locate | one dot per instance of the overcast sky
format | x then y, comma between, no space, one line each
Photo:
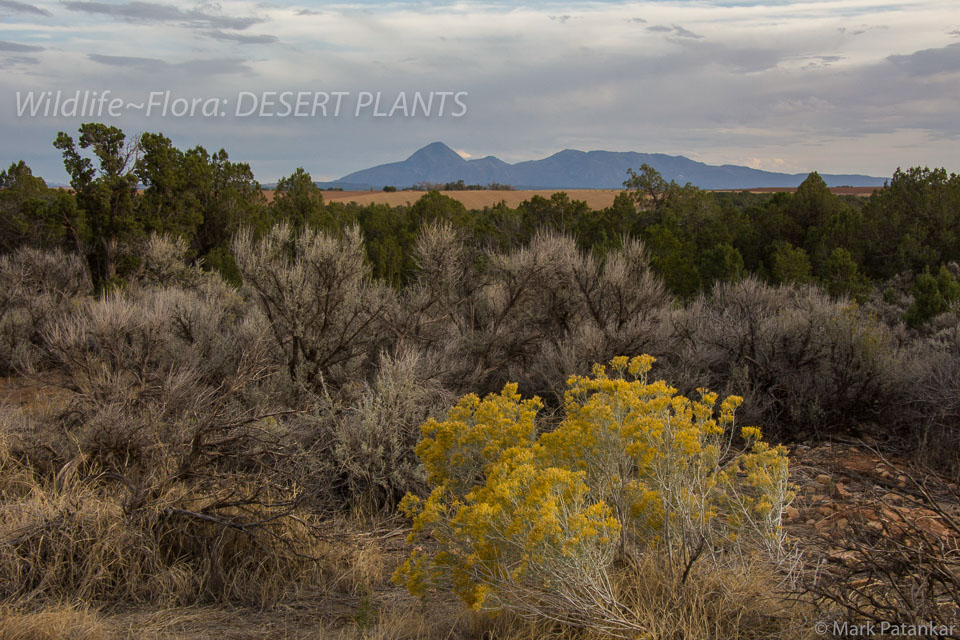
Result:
839,86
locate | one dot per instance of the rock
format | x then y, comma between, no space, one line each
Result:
825,511
840,490
824,479
842,523
791,513
848,558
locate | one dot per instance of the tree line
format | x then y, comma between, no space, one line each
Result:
123,190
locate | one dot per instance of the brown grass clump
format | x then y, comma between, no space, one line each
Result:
740,601
52,623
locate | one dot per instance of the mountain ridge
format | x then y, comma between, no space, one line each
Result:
575,169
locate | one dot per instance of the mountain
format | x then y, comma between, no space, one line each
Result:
571,169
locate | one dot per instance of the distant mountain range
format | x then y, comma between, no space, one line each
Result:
569,169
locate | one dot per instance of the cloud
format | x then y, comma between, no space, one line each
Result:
767,76
821,62
15,47
561,19
697,54
929,61
22,7
155,12
12,60
240,38
222,66
684,33
676,30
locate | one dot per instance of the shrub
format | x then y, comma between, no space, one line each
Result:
325,311
361,440
931,415
927,300
445,311
161,369
617,305
805,363
170,485
165,261
534,524
535,315
35,286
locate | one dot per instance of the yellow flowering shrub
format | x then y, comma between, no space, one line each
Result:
533,522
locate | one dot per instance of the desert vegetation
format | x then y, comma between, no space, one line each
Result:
424,421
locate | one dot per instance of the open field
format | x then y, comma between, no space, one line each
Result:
595,198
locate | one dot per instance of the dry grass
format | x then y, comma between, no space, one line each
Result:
745,600
81,536
60,622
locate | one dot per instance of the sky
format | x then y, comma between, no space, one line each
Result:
838,86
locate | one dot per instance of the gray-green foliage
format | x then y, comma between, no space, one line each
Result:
932,418
164,261
533,315
325,311
160,369
367,433
35,286
803,361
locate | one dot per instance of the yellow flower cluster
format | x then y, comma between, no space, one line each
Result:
632,464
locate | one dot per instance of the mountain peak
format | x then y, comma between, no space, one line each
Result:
435,154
